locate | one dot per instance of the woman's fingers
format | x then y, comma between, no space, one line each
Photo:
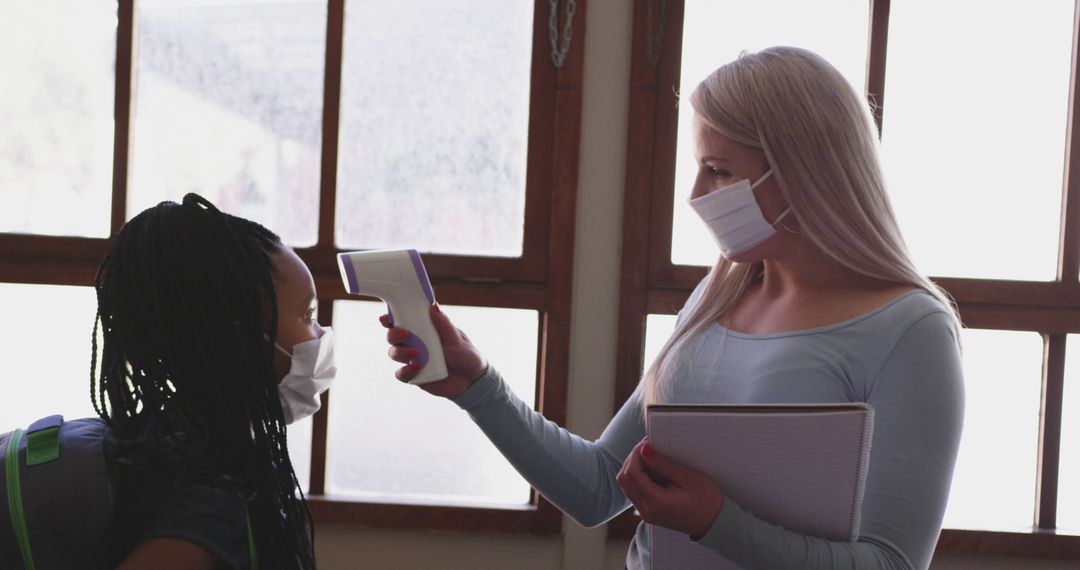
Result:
669,494
625,483
399,353
664,468
403,354
396,335
635,481
407,372
464,364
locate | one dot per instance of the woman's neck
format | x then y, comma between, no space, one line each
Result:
805,270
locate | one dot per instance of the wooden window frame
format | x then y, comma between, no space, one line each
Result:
540,279
652,284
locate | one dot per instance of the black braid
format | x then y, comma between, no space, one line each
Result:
187,381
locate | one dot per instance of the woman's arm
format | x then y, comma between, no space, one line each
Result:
575,474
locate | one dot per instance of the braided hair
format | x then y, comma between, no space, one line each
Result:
187,383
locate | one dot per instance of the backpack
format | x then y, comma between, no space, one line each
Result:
57,497
49,518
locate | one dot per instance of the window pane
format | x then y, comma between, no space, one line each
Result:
708,44
299,435
47,361
1003,381
390,441
658,329
229,104
1069,472
434,125
56,143
976,96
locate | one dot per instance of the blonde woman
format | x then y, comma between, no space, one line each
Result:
813,300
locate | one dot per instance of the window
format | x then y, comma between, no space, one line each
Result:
980,216
435,135
1069,495
56,145
434,456
247,76
38,383
998,449
1002,235
341,126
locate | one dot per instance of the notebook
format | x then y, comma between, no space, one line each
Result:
799,466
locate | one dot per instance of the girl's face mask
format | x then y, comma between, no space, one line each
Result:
310,374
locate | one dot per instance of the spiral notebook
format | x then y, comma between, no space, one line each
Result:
799,466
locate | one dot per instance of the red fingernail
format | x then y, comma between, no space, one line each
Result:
438,309
647,450
413,353
400,335
415,366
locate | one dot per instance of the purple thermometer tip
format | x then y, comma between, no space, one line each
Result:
422,276
350,273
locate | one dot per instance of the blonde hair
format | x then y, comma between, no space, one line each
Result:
821,142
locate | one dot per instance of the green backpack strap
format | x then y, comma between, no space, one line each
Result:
14,498
42,446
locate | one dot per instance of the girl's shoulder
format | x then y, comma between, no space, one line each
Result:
210,516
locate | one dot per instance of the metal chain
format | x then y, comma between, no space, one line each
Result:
560,46
655,31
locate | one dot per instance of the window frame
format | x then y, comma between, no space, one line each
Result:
540,279
652,284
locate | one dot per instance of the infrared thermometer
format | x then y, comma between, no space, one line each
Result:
398,277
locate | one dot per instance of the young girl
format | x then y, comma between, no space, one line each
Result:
211,347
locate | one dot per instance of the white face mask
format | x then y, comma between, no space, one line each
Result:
734,217
310,374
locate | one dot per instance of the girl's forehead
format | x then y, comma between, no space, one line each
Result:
290,272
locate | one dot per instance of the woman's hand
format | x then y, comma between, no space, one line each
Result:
464,363
669,494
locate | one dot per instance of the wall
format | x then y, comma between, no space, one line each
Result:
596,267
